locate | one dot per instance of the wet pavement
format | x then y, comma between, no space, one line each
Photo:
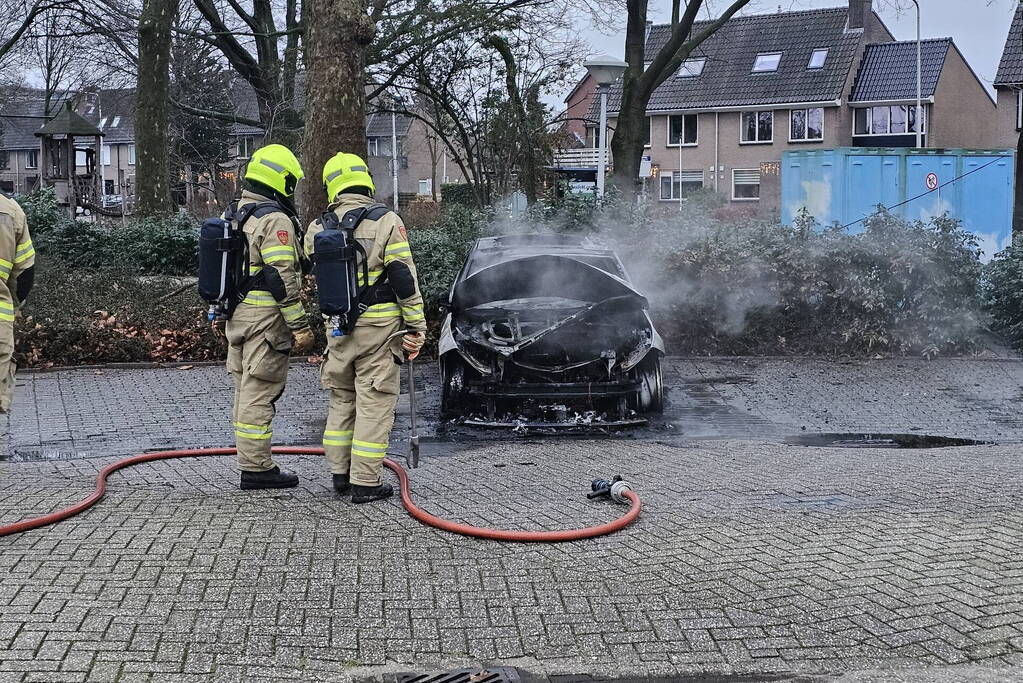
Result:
753,559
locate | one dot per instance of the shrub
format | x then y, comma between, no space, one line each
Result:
43,212
440,251
458,193
1002,288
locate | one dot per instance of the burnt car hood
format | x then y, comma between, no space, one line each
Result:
540,276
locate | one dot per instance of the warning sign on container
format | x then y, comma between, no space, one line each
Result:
932,181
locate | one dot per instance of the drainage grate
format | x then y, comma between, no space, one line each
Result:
500,674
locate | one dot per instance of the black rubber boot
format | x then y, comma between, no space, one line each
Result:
341,484
270,479
367,494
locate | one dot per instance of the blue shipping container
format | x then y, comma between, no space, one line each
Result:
846,184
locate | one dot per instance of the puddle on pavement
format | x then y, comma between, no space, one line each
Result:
880,441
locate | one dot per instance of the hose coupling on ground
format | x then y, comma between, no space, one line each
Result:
614,489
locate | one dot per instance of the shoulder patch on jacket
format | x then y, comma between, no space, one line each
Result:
282,236
404,233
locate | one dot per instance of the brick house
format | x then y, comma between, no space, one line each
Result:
423,163
1009,85
824,78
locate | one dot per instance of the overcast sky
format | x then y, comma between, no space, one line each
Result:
979,27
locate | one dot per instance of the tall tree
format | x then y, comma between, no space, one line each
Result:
337,35
645,73
151,104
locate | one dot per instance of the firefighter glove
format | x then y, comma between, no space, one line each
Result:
413,343
303,341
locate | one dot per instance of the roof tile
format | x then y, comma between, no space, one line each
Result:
1010,70
888,70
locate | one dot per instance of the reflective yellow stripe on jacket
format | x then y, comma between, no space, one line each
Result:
277,253
5,269
6,311
382,311
398,250
259,297
25,251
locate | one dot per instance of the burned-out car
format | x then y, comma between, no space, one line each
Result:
548,328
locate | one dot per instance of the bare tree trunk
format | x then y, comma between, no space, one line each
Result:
337,33
152,145
528,167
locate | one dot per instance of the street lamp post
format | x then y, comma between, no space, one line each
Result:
919,79
605,71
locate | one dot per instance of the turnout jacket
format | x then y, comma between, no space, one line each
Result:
17,258
388,255
273,254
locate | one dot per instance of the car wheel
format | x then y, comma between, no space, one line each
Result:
650,398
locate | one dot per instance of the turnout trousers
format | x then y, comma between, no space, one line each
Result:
361,371
259,344
7,365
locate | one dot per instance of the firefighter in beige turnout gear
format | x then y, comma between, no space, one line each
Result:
361,369
17,268
271,320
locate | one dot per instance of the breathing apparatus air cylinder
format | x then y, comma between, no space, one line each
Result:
342,271
224,258
223,263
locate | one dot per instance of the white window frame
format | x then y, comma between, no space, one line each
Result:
28,156
105,155
649,132
767,56
692,68
757,113
429,187
667,131
1019,109
806,125
691,172
102,122
372,146
131,155
759,184
817,51
116,122
870,119
81,154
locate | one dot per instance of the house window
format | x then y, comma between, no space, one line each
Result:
767,62
692,67
745,184
106,155
806,124
817,59
116,122
80,157
684,127
32,158
246,145
103,122
649,123
426,186
757,127
894,120
108,187
131,155
675,184
372,147
1019,110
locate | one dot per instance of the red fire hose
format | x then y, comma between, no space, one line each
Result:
406,500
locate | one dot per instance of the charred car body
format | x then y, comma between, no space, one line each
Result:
548,328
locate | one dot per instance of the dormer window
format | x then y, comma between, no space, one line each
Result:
767,62
692,67
817,59
103,122
116,122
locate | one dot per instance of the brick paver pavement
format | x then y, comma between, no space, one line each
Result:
751,557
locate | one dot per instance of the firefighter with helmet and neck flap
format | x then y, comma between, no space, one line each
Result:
367,286
266,320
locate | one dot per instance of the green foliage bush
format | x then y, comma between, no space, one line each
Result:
157,246
439,252
457,194
1002,288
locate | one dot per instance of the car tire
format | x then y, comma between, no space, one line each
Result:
650,398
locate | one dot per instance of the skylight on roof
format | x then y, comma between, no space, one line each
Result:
116,122
103,122
767,62
817,59
692,67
